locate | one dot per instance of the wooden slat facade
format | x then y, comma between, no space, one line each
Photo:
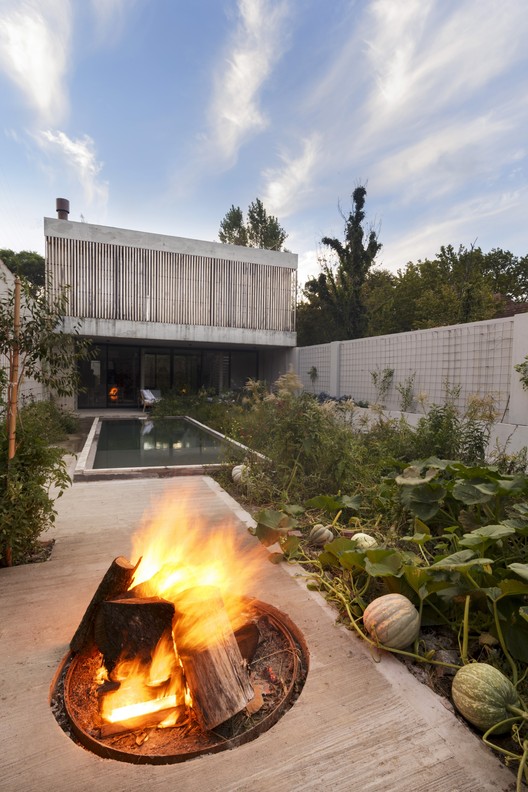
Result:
113,281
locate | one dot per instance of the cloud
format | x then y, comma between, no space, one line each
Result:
443,159
256,45
466,222
110,17
286,185
80,158
35,51
424,64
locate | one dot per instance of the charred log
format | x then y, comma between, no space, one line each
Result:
131,628
114,584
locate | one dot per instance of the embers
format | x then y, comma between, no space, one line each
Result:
196,694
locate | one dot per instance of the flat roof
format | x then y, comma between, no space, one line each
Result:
69,229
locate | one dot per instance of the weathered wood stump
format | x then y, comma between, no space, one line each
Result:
215,671
131,628
114,584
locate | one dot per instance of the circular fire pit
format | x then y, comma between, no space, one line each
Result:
277,658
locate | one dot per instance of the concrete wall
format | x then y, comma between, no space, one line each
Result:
130,284
477,357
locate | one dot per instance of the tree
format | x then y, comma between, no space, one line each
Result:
507,274
339,291
453,288
260,230
32,342
232,228
27,263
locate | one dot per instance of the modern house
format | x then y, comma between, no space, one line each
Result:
170,313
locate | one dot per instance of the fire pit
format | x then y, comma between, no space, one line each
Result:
169,661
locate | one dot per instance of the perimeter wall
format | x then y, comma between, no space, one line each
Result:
478,358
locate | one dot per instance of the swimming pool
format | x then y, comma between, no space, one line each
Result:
152,447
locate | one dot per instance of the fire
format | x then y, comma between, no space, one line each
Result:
145,688
179,551
185,562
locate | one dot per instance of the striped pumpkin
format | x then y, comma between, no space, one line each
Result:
392,620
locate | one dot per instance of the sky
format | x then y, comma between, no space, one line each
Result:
158,115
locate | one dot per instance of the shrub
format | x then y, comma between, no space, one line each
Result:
26,506
51,422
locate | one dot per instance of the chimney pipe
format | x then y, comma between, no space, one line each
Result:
62,206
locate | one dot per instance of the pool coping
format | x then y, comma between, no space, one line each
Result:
84,470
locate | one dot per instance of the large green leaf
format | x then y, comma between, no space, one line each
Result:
510,587
352,559
340,545
276,520
463,559
418,538
334,503
294,509
486,535
272,525
423,500
351,503
469,494
519,569
383,563
514,628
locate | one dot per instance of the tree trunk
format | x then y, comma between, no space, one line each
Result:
13,396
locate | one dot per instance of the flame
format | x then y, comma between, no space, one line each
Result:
179,550
145,688
185,561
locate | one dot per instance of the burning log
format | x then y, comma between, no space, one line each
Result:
178,715
114,584
214,669
131,628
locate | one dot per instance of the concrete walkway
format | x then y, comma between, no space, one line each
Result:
358,725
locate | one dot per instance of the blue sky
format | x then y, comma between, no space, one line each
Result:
158,115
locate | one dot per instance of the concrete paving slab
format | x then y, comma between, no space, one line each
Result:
357,725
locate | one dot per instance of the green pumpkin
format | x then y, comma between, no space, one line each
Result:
482,694
392,620
320,534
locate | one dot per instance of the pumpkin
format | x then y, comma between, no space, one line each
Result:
482,694
239,474
320,534
392,620
364,541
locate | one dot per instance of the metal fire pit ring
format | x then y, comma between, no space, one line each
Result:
166,746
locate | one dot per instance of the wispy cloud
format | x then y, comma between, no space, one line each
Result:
285,186
457,225
110,17
442,160
34,53
255,47
433,58
80,158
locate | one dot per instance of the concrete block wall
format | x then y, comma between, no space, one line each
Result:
477,357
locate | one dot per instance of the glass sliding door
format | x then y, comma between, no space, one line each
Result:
185,372
157,371
122,381
92,376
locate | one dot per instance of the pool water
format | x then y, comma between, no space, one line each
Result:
148,443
